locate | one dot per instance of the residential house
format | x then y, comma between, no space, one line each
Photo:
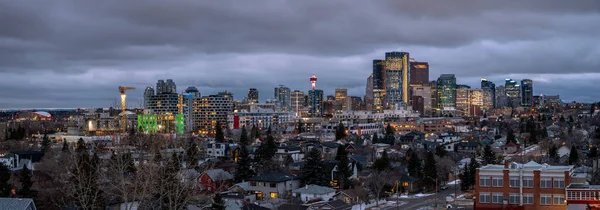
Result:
313,193
450,147
17,204
332,168
273,185
447,137
511,148
16,162
292,151
331,205
215,180
327,149
354,196
424,144
215,149
411,184
468,147
563,151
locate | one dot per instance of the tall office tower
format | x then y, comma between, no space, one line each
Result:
253,95
328,108
378,74
315,102
355,103
330,97
378,100
193,91
434,97
476,102
419,73
501,99
424,92
488,100
212,109
526,93
490,87
282,94
369,93
161,87
170,86
396,78
513,92
462,99
446,91
340,99
149,92
298,101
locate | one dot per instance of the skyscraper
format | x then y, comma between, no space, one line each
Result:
149,92
419,72
282,94
462,99
434,96
526,92
501,99
315,101
396,78
512,90
193,90
476,102
211,109
253,95
423,91
161,87
446,91
340,99
170,86
378,74
298,101
490,87
369,93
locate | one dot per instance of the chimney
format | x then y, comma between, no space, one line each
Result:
506,164
306,187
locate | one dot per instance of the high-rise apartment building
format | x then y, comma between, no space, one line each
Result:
396,78
190,97
501,99
526,92
419,73
446,91
462,99
149,92
522,186
211,109
163,103
315,102
434,97
369,93
340,99
512,90
282,94
170,86
475,102
489,87
424,92
378,74
355,103
253,95
193,90
298,101
378,100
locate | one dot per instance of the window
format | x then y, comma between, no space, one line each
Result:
546,183
497,198
253,184
559,199
497,181
559,183
273,195
528,181
484,197
273,185
484,181
514,181
573,195
527,198
514,198
546,199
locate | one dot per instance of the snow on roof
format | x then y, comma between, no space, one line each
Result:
43,114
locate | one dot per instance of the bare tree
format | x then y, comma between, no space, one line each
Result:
377,181
126,183
82,187
444,166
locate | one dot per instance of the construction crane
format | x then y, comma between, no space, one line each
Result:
122,90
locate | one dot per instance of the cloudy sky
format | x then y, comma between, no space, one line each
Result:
74,53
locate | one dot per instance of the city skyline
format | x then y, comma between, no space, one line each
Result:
79,60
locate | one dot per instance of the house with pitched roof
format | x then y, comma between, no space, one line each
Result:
17,204
313,193
273,185
215,180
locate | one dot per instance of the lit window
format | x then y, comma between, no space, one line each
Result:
273,195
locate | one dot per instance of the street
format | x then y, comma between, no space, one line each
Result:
419,202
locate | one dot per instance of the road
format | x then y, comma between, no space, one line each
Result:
416,203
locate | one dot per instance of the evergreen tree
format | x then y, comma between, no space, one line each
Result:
533,136
244,136
571,120
468,176
243,171
344,171
440,151
389,135
430,170
6,132
375,139
314,170
562,119
489,156
573,156
340,132
553,152
5,186
81,146
288,160
510,136
65,147
26,183
465,179
219,136
593,152
414,164
192,154
218,202
383,163
254,133
45,143
267,149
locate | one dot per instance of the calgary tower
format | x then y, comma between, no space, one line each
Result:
313,81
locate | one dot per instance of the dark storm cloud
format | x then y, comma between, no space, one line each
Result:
79,51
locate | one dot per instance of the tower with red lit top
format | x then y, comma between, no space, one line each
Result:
313,81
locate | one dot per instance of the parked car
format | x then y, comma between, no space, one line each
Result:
444,187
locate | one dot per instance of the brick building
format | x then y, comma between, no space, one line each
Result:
522,186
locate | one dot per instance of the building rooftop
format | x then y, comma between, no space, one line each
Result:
530,166
580,186
313,189
16,203
272,177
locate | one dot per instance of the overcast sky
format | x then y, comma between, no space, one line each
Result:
74,53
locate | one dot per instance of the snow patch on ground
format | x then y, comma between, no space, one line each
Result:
454,182
423,195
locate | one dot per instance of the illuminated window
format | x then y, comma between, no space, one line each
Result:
405,184
273,195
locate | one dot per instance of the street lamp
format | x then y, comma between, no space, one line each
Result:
436,190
